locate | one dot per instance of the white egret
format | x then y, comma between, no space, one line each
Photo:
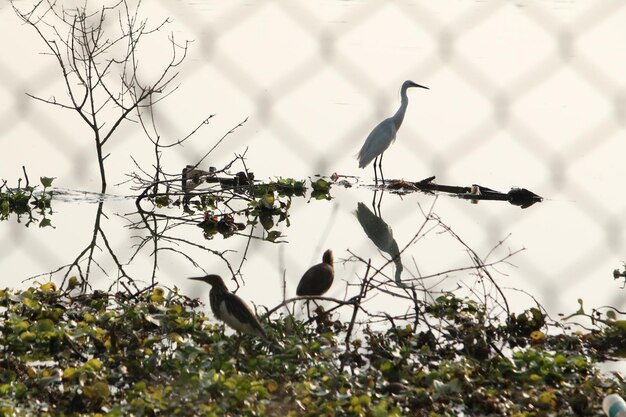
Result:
384,134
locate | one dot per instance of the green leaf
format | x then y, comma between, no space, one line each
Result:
273,235
46,181
97,391
93,365
620,324
28,336
45,325
321,185
267,201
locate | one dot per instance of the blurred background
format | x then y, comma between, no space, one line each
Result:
522,93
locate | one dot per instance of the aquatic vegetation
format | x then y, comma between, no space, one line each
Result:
157,353
228,206
26,201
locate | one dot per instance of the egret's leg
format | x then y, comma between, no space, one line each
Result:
380,167
375,176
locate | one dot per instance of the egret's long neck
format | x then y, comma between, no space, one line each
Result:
399,116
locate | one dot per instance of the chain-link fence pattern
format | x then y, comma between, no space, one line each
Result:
529,72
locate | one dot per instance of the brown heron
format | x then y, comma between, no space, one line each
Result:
318,278
231,309
384,134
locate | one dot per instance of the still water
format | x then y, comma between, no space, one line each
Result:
520,94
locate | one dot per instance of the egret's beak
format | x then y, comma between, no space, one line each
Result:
421,86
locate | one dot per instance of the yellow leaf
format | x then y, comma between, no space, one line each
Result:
272,386
93,364
19,327
548,398
175,337
48,287
28,336
157,295
73,283
68,373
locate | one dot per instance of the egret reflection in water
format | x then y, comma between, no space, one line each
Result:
381,234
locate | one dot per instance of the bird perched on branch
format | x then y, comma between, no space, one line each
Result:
384,134
231,309
318,278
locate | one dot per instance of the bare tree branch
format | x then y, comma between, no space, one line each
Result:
102,81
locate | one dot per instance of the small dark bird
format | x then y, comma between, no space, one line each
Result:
318,278
231,309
